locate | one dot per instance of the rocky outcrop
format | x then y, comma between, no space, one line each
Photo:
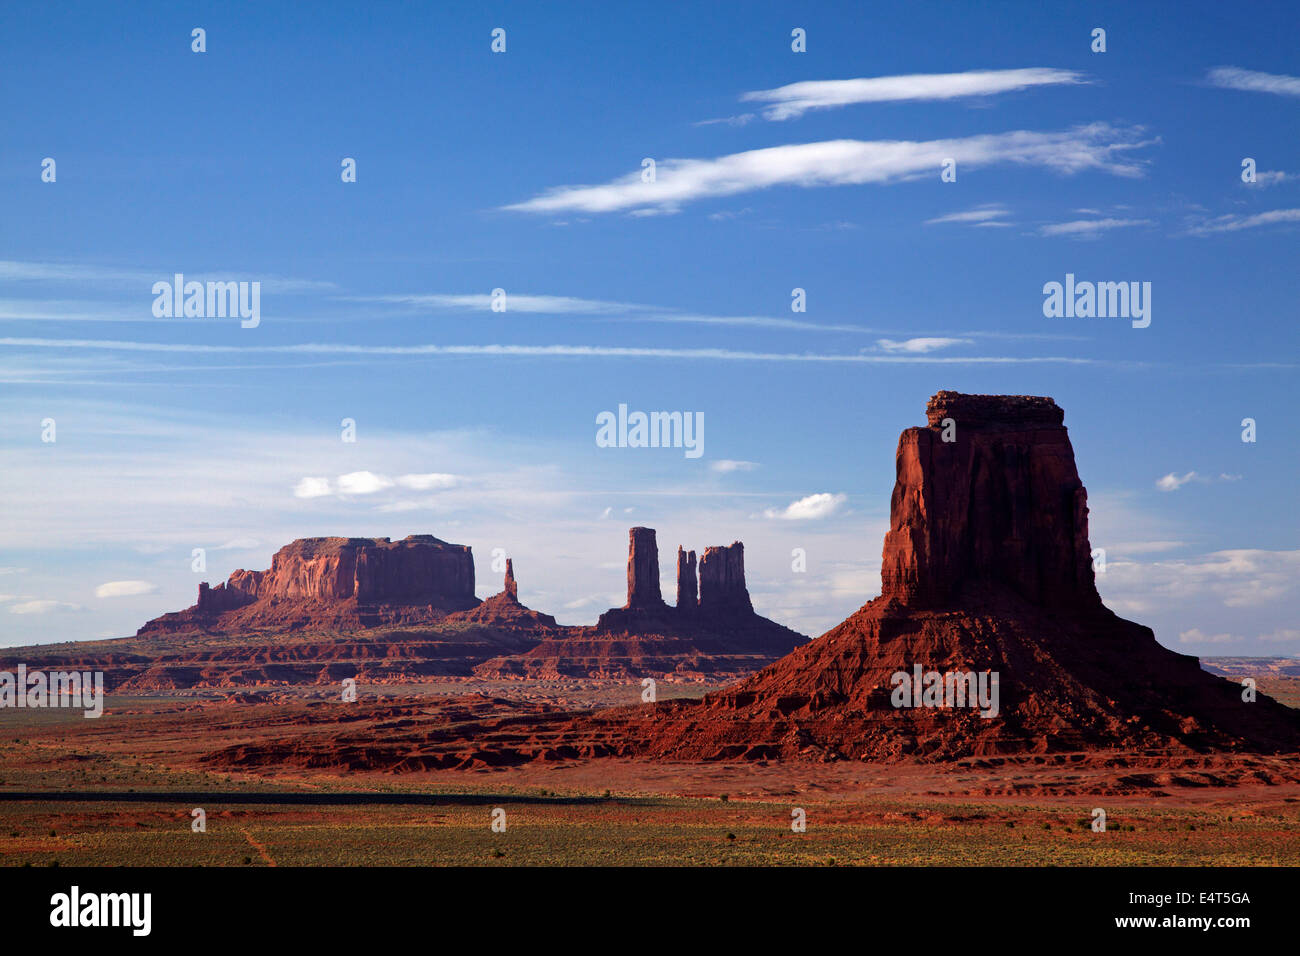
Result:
645,639
342,583
722,580
643,591
218,600
715,615
987,498
503,610
688,594
987,577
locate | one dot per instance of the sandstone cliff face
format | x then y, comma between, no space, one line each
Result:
722,580
643,570
1000,506
213,601
337,582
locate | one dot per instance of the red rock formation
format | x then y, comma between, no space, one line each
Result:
986,571
1001,506
333,588
643,570
213,601
503,610
688,595
722,580
721,620
336,582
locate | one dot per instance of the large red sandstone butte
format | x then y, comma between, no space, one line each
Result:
337,583
987,569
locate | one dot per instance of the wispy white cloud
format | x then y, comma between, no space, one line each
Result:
744,119
597,308
989,213
1272,177
726,465
43,606
1197,636
511,302
795,99
1146,547
1234,223
814,506
919,345
1089,228
546,351
1172,481
369,483
1235,78
844,162
112,589
433,481
15,271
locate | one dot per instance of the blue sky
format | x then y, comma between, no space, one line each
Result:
521,171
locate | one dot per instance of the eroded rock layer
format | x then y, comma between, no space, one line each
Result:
336,583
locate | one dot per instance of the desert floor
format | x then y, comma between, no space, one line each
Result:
120,790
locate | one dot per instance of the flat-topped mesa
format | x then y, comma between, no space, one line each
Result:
419,569
337,581
722,579
643,570
998,507
688,592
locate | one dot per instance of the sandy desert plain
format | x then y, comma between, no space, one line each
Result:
120,791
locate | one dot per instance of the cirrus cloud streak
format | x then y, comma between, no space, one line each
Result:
844,162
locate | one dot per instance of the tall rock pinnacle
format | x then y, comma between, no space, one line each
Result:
643,570
688,594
